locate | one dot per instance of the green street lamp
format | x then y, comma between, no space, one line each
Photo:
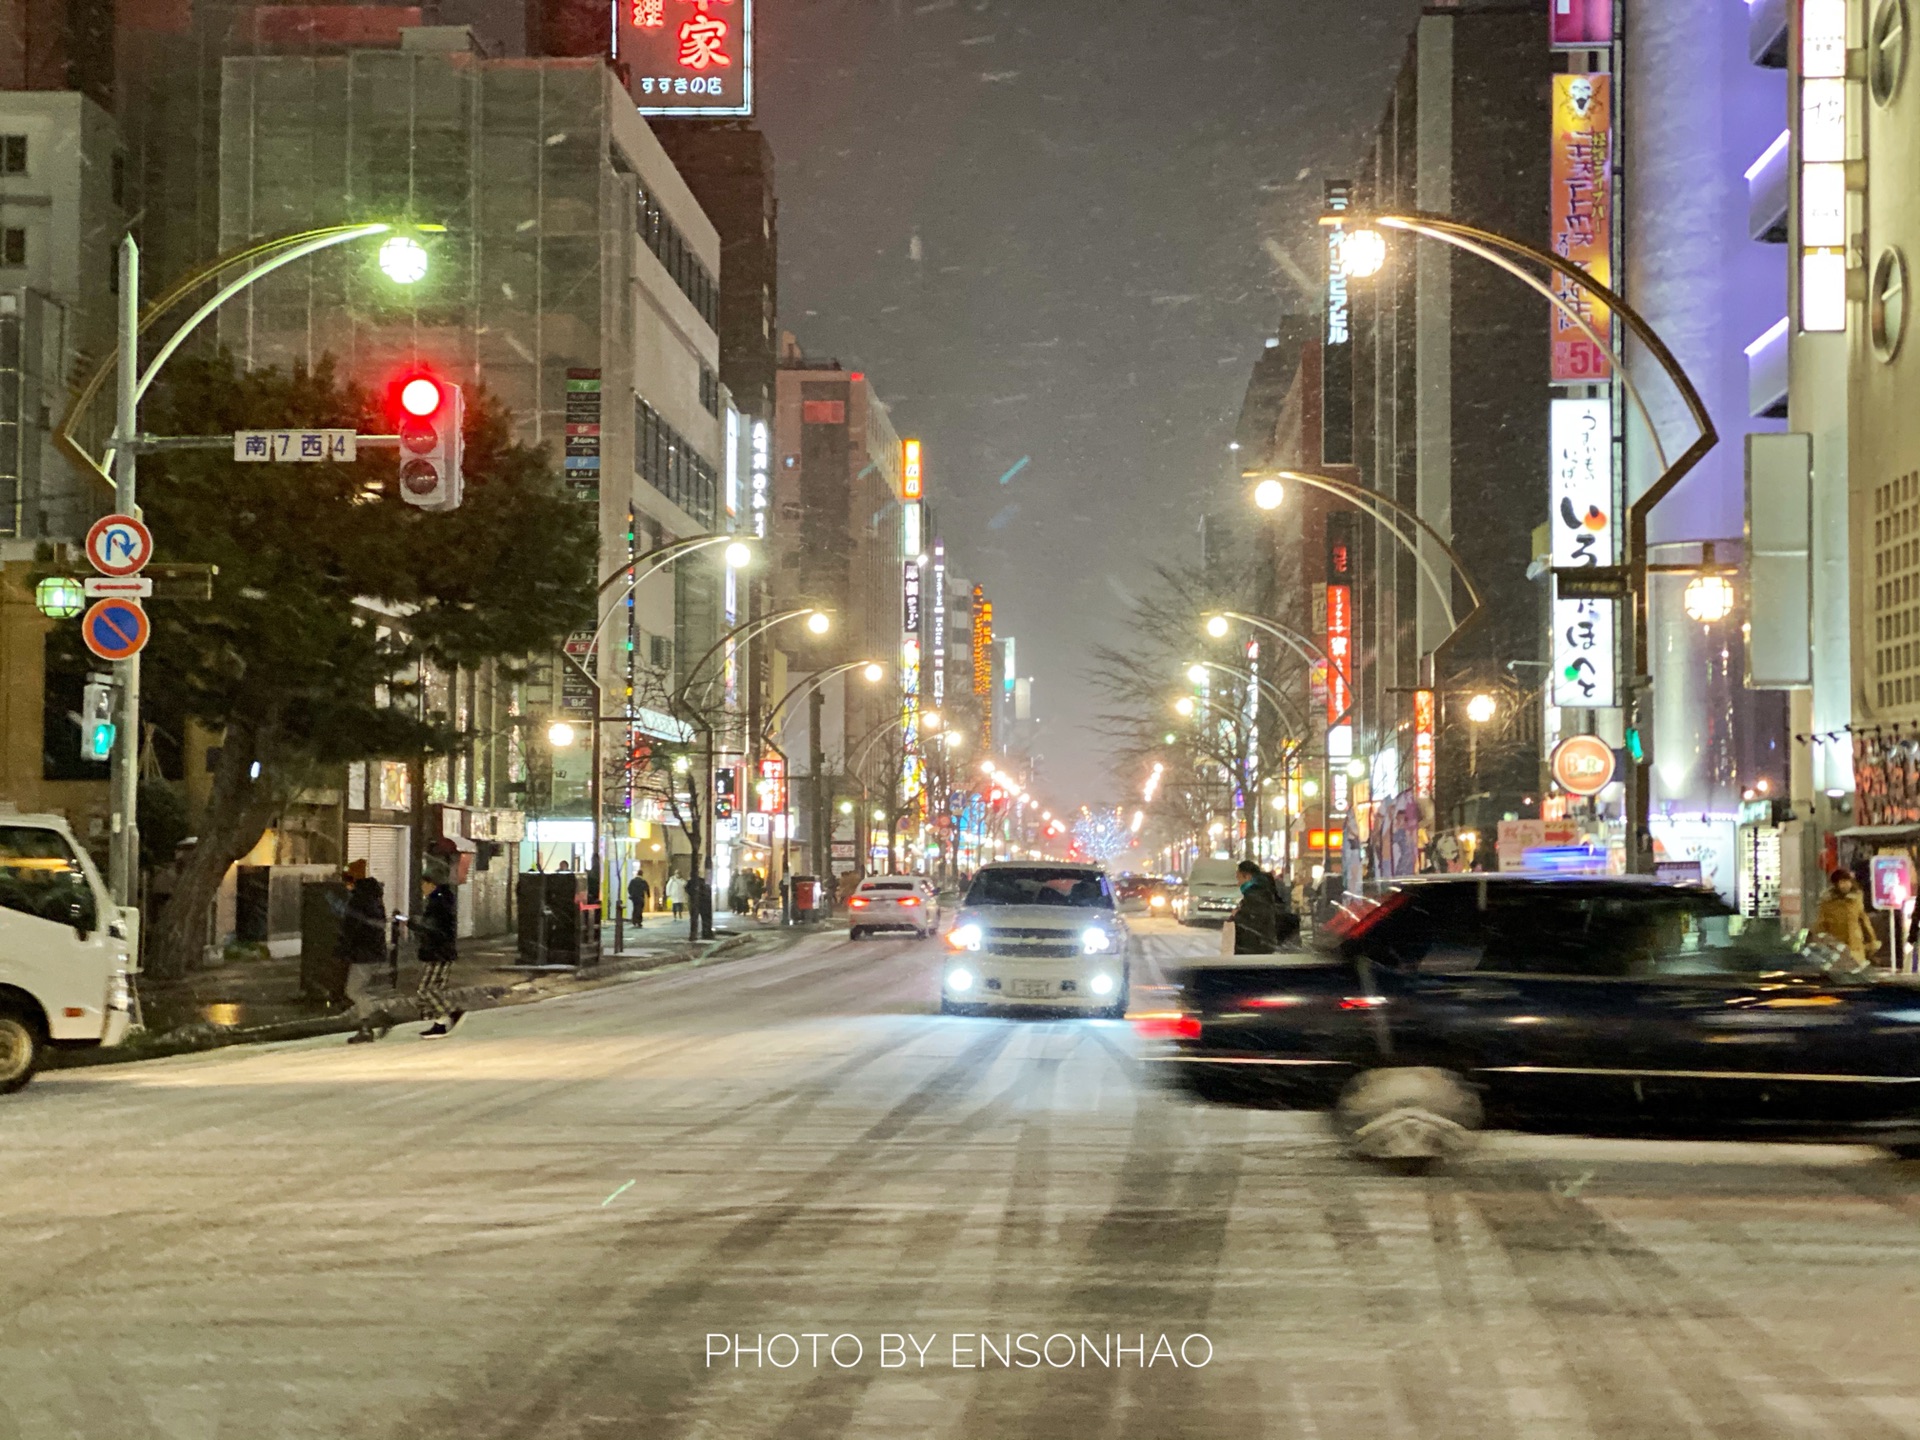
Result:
59,597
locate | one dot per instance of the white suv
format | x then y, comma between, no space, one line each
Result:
893,902
65,951
1037,934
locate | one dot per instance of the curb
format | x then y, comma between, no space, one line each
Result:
201,1036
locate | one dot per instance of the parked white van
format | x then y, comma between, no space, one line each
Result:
65,952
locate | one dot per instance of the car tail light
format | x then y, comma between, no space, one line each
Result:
858,903
1363,1002
909,899
1166,1025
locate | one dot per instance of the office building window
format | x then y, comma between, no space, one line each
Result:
13,154
663,237
709,391
13,247
666,460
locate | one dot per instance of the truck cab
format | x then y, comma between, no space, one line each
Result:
65,950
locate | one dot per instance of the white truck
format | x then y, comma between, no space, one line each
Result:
65,950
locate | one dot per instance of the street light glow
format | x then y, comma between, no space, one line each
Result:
1708,598
1217,627
1184,705
560,734
1197,674
739,555
818,622
403,260
1268,494
1481,709
1365,253
874,671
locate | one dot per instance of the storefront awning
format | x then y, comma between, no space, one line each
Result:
1879,832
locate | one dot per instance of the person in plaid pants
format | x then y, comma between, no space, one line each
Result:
436,928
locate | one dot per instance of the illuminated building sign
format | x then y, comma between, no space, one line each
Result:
1339,618
1336,362
1580,482
1423,718
1585,666
1823,171
910,596
1581,219
761,476
772,789
939,623
910,486
687,57
910,530
1580,24
982,642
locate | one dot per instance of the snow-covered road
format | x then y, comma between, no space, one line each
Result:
538,1228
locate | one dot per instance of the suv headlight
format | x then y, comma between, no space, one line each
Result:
1095,941
964,937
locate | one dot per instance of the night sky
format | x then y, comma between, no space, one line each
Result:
1058,232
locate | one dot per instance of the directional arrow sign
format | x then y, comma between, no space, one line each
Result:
128,586
115,629
119,545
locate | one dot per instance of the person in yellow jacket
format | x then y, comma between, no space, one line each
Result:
1843,917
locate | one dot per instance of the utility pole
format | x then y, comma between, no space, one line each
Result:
817,763
123,843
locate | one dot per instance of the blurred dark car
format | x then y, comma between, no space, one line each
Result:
1611,1006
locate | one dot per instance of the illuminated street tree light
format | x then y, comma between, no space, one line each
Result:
1481,708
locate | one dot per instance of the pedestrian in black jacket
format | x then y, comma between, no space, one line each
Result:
639,892
363,945
436,929
1256,919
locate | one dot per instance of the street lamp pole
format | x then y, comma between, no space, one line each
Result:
123,783
1513,256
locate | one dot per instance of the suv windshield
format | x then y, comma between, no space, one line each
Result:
1041,885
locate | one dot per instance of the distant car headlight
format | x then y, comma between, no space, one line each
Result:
959,980
1102,984
1158,902
964,937
1095,942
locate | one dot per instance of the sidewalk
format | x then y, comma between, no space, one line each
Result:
259,1000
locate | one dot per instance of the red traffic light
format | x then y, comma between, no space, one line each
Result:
420,396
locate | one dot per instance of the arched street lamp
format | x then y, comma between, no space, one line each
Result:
1514,257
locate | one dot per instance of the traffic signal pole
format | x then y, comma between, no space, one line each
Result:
123,781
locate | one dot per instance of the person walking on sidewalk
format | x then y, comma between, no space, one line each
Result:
677,895
363,945
437,926
639,892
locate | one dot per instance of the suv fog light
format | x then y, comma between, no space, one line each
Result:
959,979
1103,984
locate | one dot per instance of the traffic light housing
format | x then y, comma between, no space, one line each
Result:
430,414
97,730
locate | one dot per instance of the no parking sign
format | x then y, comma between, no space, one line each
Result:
115,629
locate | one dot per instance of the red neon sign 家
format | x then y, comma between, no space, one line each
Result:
688,56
